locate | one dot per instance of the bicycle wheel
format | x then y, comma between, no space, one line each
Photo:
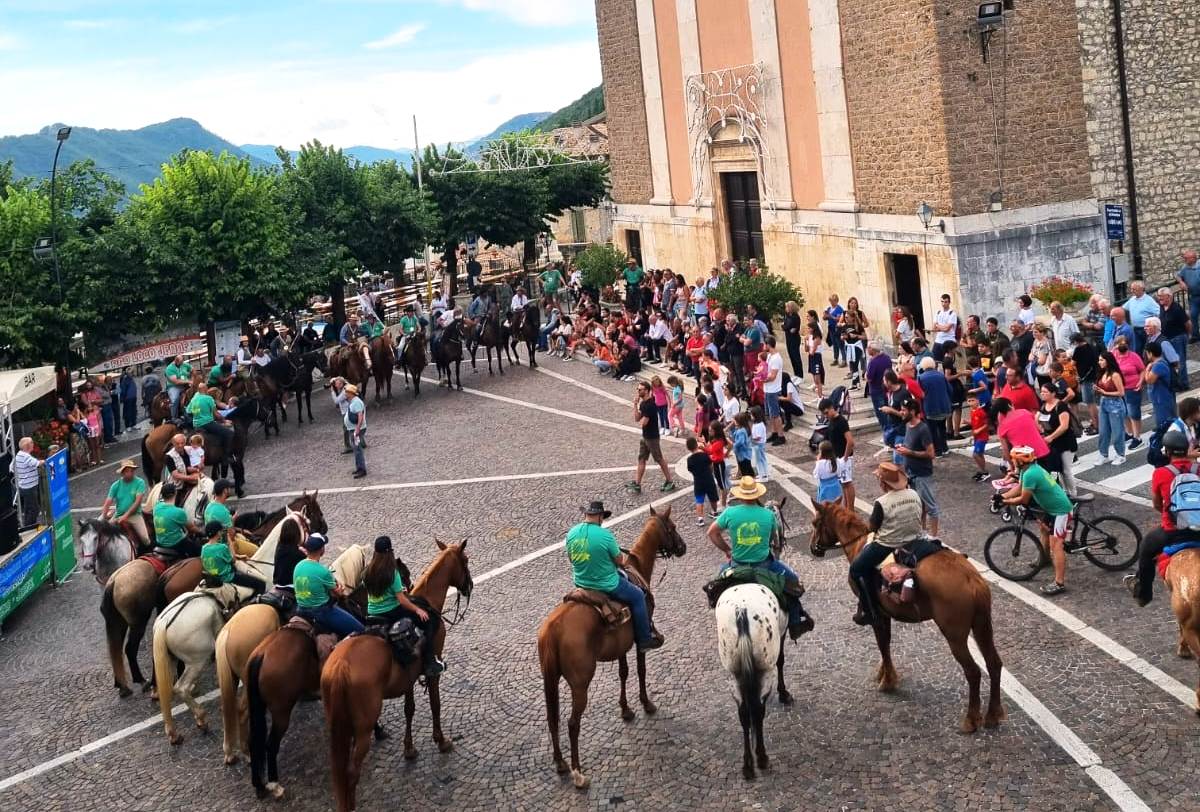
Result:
1014,553
1121,541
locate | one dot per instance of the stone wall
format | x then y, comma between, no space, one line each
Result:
621,64
1160,53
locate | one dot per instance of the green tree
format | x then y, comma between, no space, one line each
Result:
599,265
398,218
766,291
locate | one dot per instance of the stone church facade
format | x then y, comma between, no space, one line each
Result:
808,132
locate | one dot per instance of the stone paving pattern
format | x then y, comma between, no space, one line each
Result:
841,746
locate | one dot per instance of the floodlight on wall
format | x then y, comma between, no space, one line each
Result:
43,248
925,215
991,13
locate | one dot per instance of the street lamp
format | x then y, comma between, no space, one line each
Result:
63,134
925,215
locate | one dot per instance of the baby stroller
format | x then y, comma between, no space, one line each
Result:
841,400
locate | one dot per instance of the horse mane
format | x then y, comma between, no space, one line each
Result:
422,582
846,521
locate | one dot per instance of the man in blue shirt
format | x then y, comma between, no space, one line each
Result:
1188,277
831,315
1120,327
1139,308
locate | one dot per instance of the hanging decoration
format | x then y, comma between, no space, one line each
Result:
715,100
515,152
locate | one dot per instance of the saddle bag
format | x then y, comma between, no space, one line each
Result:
405,639
281,601
783,589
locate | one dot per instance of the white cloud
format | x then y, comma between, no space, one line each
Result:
201,25
401,36
88,25
342,102
536,12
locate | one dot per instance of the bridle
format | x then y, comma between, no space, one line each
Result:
677,549
460,609
819,547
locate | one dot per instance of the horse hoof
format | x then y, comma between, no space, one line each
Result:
202,725
276,790
231,760
562,768
445,746
381,735
175,739
124,692
627,714
969,725
764,763
410,753
581,781
748,773
785,698
1184,653
147,686
649,707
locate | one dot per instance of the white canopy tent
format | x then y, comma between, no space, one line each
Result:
18,389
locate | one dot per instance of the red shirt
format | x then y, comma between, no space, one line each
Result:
1022,398
914,389
716,451
1160,484
979,420
1019,428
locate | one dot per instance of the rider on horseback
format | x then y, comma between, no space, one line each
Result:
203,410
315,590
373,327
408,328
221,375
174,531
478,310
216,560
177,468
750,525
348,337
388,602
895,521
123,504
595,559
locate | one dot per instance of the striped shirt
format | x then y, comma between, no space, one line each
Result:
25,467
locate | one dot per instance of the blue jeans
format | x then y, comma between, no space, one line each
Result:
131,410
1112,425
360,458
879,400
1194,311
544,336
332,617
837,345
635,599
174,393
1180,343
106,415
760,460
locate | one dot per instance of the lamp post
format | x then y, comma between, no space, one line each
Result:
63,134
925,215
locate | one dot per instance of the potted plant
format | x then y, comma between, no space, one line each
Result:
1067,292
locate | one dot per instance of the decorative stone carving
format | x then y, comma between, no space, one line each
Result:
715,100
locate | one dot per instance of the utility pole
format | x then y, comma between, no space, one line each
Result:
421,188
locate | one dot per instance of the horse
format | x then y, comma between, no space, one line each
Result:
414,360
348,362
160,409
1181,576
449,350
275,379
526,325
157,442
952,594
573,638
383,361
362,672
302,384
186,631
491,334
752,652
251,625
135,590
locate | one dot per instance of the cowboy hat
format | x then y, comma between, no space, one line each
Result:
892,474
352,389
126,464
596,508
748,489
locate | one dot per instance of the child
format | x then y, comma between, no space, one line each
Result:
675,414
717,448
704,486
95,433
660,402
712,411
979,434
758,434
828,472
816,362
701,422
741,444
195,451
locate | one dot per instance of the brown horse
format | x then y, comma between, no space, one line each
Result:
348,362
1182,576
491,335
160,409
952,594
136,591
383,361
414,360
526,324
362,672
573,638
157,443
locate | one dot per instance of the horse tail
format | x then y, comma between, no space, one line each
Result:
336,690
164,669
258,722
115,627
746,673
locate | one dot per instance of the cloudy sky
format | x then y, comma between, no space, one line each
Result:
345,71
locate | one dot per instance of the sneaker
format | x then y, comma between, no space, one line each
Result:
776,440
1101,459
359,474
1053,588
805,625
980,476
668,486
1134,443
633,486
1091,431
347,450
1118,461
699,521
762,479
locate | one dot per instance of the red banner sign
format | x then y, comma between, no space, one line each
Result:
184,345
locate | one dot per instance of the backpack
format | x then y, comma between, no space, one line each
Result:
1154,448
1184,502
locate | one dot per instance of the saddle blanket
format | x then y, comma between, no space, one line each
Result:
611,610
1164,558
325,640
746,574
160,566
899,568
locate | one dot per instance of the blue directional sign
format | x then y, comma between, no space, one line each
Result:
60,496
1114,221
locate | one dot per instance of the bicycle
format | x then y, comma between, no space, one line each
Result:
1016,552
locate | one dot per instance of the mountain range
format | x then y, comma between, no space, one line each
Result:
135,157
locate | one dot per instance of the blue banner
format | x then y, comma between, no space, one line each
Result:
24,571
60,492
1114,221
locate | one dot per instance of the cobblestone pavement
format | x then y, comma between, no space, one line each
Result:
1080,702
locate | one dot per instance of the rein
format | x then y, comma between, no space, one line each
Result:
460,612
841,545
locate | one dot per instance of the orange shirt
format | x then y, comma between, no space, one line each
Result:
979,423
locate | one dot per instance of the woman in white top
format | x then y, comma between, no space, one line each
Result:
519,300
440,303
1025,314
731,408
904,325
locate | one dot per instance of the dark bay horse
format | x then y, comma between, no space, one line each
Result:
347,362
573,638
383,361
449,350
492,335
362,672
414,360
952,594
157,443
526,324
302,384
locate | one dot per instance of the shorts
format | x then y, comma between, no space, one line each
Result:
1087,392
847,476
979,447
1058,526
771,401
1133,404
816,364
701,495
650,448
923,485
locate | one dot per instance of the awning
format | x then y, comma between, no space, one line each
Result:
20,387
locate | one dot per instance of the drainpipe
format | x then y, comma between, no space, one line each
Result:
1127,132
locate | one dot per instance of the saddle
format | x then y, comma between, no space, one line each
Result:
281,600
403,637
323,639
162,559
1164,558
898,571
612,611
230,597
782,588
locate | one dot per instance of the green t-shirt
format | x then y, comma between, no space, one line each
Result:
408,324
216,559
382,604
183,372
633,276
593,551
217,512
214,375
313,583
550,281
202,408
749,528
375,329
1047,493
124,493
170,524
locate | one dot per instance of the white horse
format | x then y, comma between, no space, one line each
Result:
187,630
751,626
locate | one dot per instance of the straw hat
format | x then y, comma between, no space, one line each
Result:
893,475
126,464
747,489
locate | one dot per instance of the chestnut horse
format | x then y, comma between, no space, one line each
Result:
573,638
383,361
362,672
348,362
414,360
1182,576
952,594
